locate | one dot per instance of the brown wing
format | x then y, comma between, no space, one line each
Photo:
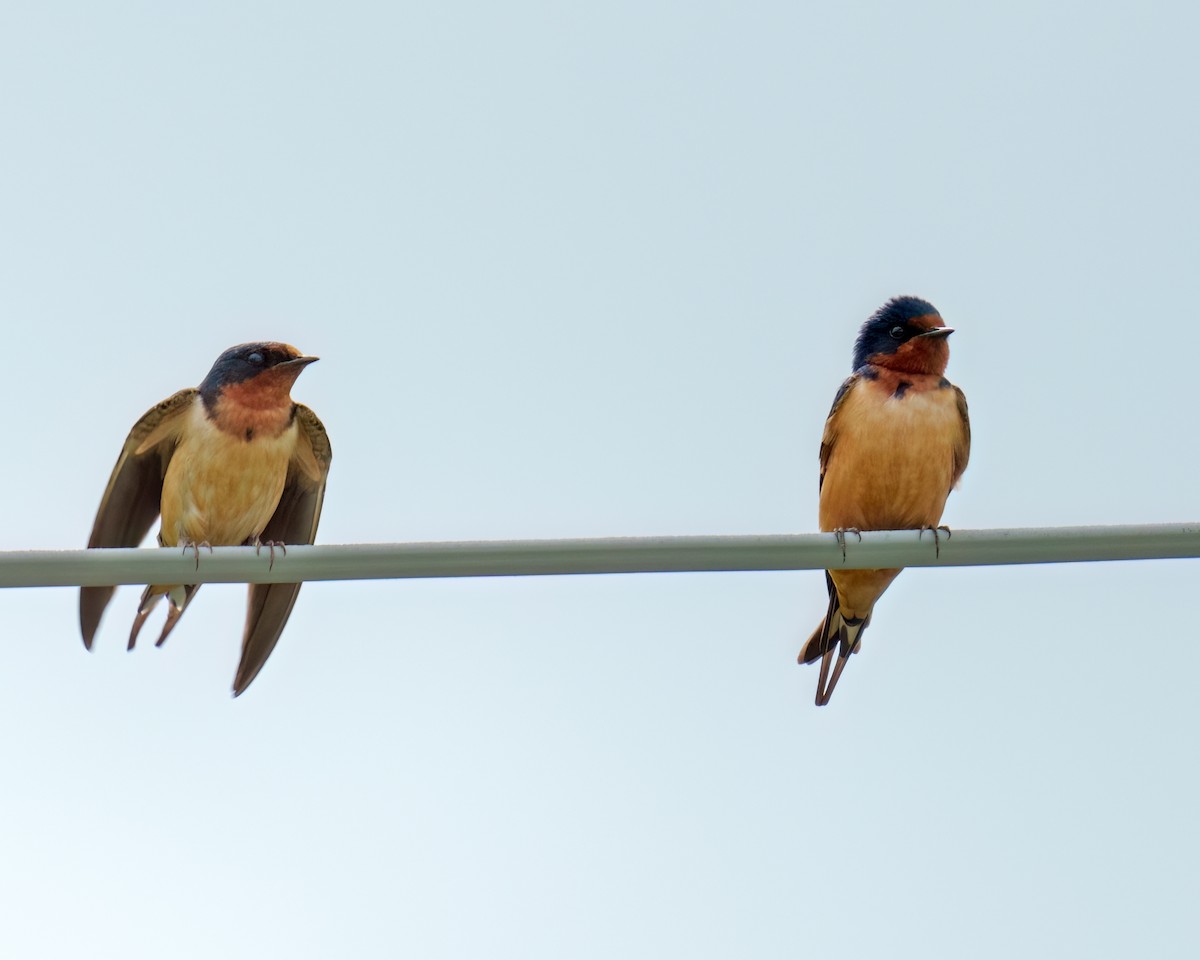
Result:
962,449
830,436
294,521
133,497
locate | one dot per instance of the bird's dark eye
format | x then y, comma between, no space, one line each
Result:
897,333
255,358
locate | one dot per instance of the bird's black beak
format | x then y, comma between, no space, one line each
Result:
299,363
937,333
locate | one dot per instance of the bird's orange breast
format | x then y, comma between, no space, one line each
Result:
221,488
891,465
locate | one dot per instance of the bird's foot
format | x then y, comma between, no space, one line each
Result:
937,547
840,535
270,545
195,546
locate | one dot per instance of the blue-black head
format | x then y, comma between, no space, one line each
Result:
279,363
897,322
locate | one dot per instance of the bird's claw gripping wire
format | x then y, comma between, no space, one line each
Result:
937,551
840,535
270,545
195,548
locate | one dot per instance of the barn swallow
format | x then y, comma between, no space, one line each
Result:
896,442
232,462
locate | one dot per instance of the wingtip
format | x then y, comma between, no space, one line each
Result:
92,603
87,630
244,677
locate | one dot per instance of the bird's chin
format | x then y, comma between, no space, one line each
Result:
922,355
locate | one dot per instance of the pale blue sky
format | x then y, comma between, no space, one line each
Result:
596,270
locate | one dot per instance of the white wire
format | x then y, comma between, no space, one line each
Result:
500,558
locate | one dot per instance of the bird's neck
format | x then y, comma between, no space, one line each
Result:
253,408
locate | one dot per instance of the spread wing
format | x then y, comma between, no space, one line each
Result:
132,498
294,521
962,449
829,438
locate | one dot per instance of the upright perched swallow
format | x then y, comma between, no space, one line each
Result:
895,444
234,461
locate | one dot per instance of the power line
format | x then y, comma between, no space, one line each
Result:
499,558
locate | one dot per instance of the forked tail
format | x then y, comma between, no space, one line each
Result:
835,632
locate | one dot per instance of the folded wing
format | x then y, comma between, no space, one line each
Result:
132,499
294,521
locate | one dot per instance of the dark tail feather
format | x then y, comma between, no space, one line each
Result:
175,612
826,633
178,597
835,633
